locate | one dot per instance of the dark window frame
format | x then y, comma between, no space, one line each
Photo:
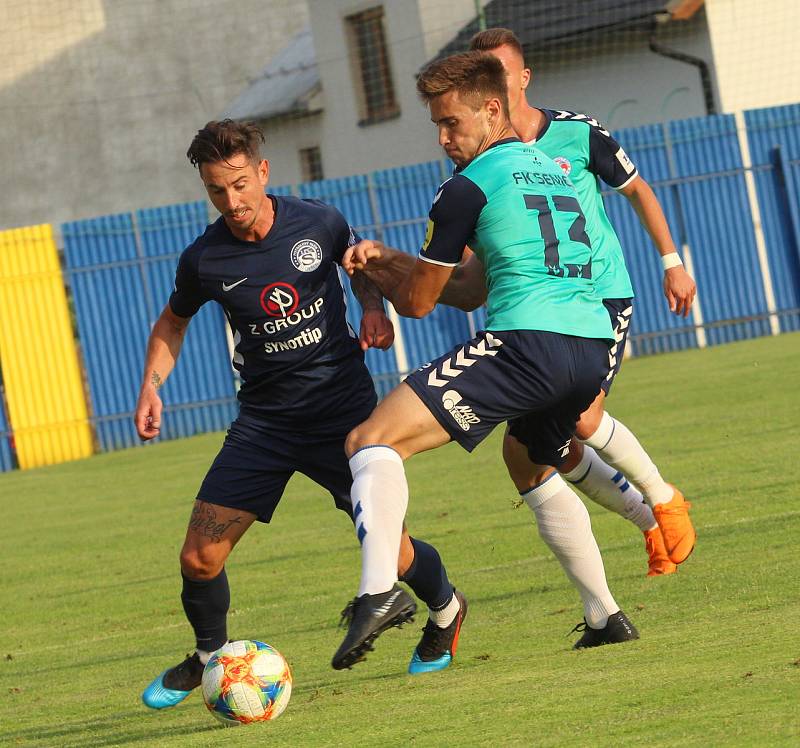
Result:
372,69
311,164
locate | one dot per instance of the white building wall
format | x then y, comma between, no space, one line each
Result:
348,148
626,84
441,21
756,51
284,139
100,98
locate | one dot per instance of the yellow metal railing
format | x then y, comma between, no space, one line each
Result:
44,392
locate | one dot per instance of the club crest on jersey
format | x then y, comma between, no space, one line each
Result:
279,299
566,166
306,255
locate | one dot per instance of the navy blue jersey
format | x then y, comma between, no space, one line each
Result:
297,356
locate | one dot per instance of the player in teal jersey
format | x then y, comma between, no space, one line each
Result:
587,153
543,356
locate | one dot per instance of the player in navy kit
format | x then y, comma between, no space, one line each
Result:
271,263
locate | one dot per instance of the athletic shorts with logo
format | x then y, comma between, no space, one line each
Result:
258,458
525,429
548,377
620,311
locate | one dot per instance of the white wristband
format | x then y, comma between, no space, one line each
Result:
673,259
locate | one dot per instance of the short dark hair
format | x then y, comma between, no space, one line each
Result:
222,140
476,76
485,41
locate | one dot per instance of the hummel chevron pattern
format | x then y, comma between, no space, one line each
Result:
563,114
448,371
623,320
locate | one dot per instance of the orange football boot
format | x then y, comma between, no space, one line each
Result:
658,562
676,527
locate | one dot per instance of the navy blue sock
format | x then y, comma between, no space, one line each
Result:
427,576
206,603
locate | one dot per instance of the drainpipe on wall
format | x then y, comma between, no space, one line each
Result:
673,54
481,15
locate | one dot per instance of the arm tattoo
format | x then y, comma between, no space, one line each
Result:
156,379
204,521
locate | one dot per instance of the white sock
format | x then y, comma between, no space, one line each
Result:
609,488
565,526
203,656
445,616
621,449
380,498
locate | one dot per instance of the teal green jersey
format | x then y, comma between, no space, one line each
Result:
587,153
517,211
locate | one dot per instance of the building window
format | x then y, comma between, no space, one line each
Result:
374,86
311,164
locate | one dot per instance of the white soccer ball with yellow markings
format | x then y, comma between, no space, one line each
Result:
246,681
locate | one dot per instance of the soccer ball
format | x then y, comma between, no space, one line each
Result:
246,681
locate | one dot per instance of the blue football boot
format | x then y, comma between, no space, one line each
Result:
174,684
437,647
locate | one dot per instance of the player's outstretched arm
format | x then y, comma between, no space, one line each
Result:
466,289
679,286
387,268
163,348
376,330
384,266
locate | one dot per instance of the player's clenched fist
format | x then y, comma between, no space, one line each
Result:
377,330
680,290
147,417
366,252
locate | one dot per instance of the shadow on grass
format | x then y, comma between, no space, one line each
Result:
114,586
311,691
79,664
107,731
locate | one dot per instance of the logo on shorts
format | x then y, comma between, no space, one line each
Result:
565,165
306,255
279,299
462,414
563,450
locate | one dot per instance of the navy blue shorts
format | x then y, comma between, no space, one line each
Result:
257,459
547,377
620,311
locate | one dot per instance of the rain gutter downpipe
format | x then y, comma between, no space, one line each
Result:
673,54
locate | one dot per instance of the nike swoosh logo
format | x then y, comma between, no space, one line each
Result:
226,287
439,193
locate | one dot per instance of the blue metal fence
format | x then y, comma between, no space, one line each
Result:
719,225
109,294
774,139
6,452
120,268
653,327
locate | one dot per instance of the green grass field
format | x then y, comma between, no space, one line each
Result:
92,611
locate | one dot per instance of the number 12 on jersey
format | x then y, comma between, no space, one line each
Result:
576,232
